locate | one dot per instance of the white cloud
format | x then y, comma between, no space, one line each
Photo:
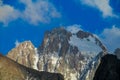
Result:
102,5
111,38
41,11
1,2
7,14
74,28
17,43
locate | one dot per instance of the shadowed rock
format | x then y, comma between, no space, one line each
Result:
109,68
117,52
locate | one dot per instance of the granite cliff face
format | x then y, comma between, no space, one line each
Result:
76,55
24,54
10,70
71,54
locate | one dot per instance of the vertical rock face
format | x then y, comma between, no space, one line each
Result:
24,54
76,55
117,53
109,68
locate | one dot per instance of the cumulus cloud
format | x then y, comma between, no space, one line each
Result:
39,11
7,13
111,38
102,5
74,28
17,43
1,2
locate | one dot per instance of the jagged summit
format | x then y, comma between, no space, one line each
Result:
25,53
73,54
70,53
60,37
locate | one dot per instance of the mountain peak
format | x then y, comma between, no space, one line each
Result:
26,44
72,54
25,53
60,37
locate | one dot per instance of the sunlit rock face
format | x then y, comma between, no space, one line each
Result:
75,54
25,54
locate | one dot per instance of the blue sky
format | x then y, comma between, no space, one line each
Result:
23,20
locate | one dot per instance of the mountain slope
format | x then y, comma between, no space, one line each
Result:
10,70
74,55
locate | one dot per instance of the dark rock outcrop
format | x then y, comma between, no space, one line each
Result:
109,68
117,52
10,70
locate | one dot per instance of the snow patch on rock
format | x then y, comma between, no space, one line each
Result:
36,59
86,44
74,28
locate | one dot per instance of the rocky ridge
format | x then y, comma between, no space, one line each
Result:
75,55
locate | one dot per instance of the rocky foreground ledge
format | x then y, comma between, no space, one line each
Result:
10,70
